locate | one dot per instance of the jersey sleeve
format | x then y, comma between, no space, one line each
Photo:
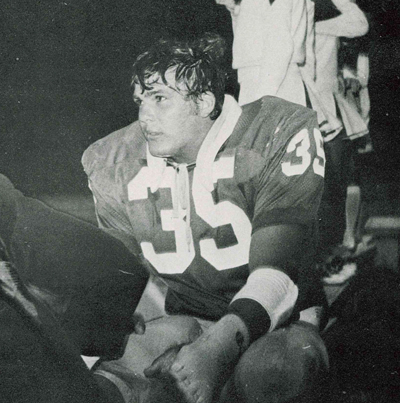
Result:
113,219
99,162
291,184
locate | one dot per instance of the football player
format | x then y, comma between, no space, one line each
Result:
222,201
66,289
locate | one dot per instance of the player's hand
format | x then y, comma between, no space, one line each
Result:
190,369
200,369
161,369
161,366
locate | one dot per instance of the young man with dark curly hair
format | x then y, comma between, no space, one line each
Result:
222,200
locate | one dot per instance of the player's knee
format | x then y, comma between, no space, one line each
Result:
286,364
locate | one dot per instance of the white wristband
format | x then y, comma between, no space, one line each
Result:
274,291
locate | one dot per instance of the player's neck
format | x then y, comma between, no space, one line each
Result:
189,155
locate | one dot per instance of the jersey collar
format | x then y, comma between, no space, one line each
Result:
220,131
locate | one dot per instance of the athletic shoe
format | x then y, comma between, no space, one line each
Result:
341,265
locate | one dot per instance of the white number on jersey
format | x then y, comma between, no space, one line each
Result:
169,262
215,215
219,214
300,144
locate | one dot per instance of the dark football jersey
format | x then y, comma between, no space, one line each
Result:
269,171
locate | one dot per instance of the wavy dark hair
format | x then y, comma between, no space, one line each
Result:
199,67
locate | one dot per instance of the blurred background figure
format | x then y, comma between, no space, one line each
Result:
353,86
341,203
274,53
269,47
290,49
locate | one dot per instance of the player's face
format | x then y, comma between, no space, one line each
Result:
170,121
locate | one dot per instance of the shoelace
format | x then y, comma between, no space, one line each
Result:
181,196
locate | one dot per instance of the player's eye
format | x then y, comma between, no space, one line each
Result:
160,98
137,101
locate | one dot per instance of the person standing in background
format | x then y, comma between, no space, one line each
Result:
339,206
277,50
274,53
269,48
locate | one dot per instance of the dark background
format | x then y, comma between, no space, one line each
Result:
65,74
65,78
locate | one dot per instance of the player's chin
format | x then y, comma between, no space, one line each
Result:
158,149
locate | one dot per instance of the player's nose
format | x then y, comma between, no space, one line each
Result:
146,113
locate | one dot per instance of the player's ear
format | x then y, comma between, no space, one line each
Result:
206,104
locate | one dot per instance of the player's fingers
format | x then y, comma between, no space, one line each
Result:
162,364
155,370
